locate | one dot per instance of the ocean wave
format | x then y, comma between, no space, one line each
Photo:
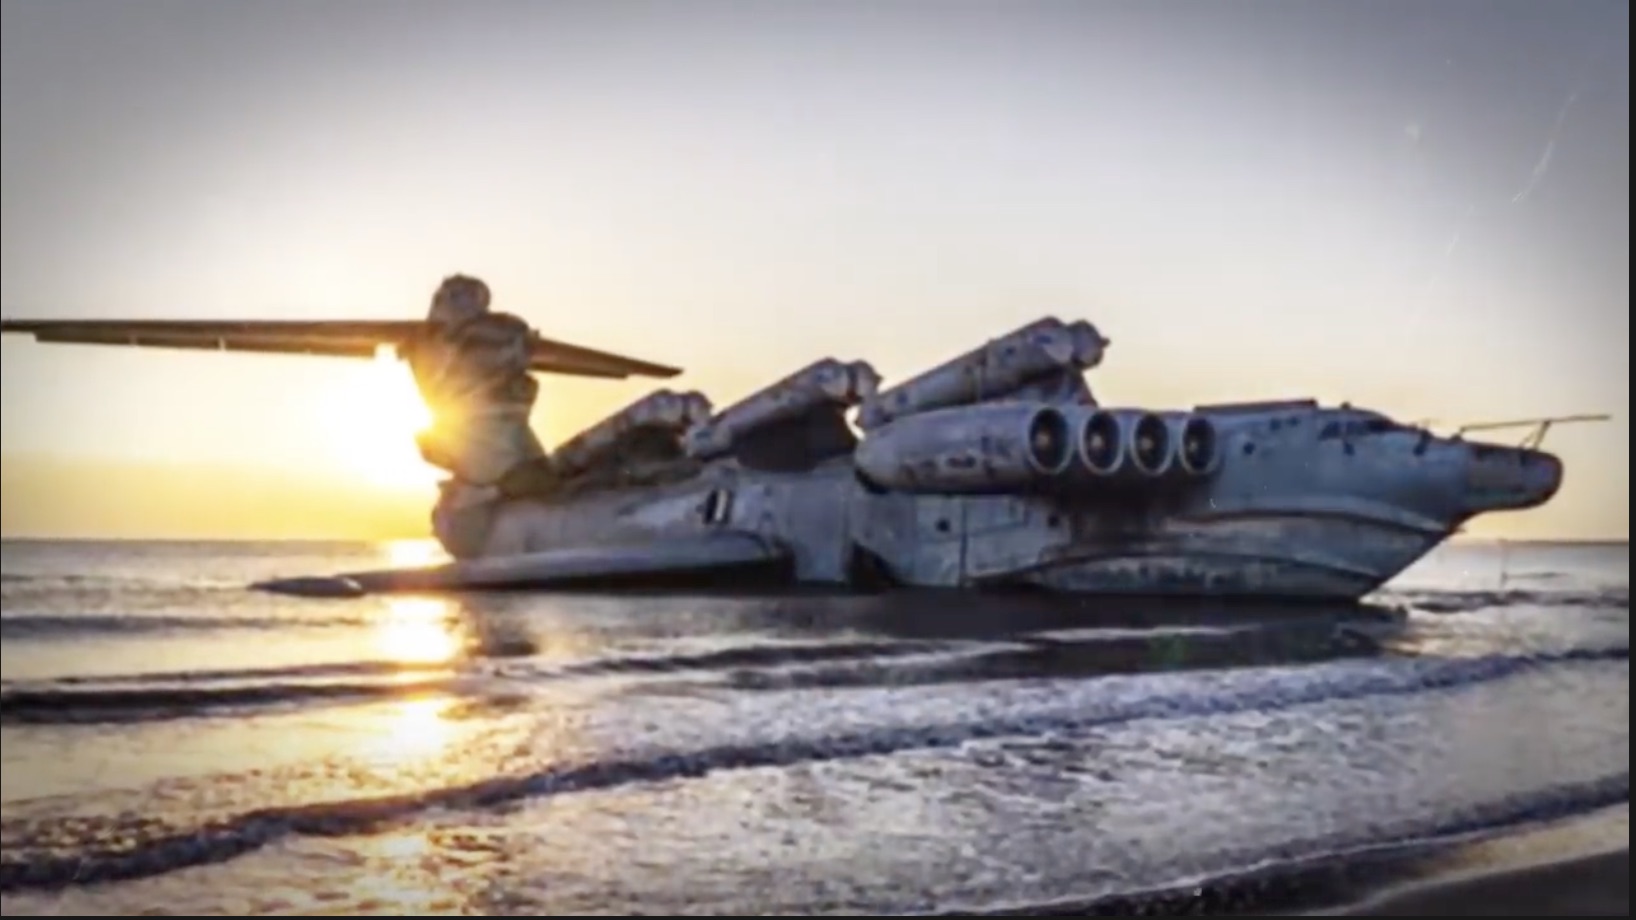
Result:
1268,690
1302,877
69,626
749,656
501,653
498,652
41,706
1446,601
1049,657
200,692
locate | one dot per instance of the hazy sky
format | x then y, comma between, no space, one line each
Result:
1420,207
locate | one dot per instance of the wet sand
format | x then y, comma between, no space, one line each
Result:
1579,867
1593,886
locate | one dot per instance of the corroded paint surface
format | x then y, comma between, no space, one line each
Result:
663,411
1293,499
1040,350
826,382
997,447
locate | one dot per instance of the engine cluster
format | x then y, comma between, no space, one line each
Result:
1010,415
978,423
1024,446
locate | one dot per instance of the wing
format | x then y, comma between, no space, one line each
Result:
689,559
333,338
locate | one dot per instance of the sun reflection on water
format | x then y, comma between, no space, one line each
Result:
416,633
399,553
419,727
419,631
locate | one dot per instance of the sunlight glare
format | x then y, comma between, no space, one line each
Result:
370,425
420,727
418,630
406,736
410,553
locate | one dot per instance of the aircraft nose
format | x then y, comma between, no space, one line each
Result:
1510,478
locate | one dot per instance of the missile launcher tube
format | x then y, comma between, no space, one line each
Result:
824,383
663,410
998,368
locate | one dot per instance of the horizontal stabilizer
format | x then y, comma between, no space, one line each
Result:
333,338
661,560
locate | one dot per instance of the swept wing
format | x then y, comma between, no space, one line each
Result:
334,338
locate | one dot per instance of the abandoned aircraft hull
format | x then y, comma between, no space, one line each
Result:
1299,502
1335,569
1247,535
995,469
1267,556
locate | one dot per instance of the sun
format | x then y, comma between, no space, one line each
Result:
369,425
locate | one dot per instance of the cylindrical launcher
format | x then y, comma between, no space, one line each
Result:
996,369
824,383
661,410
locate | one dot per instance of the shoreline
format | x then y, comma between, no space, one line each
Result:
1577,866
1584,886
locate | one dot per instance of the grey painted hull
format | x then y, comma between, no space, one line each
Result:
1272,544
1306,503
1336,571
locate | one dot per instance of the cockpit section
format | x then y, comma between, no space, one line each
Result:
1346,423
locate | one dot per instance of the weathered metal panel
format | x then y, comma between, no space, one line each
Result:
663,410
809,512
998,447
1294,500
1011,533
826,382
1042,348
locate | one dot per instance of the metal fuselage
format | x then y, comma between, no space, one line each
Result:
992,469
1307,502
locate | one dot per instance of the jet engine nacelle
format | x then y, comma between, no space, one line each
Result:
1135,447
987,448
1198,444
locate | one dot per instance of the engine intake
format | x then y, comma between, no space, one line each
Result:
1101,443
1149,447
987,448
1050,441
1134,448
1199,451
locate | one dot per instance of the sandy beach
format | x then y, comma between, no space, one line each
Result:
1592,886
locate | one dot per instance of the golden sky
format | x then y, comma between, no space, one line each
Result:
1428,216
